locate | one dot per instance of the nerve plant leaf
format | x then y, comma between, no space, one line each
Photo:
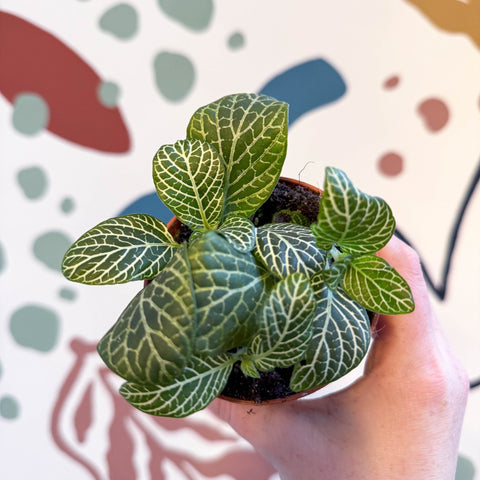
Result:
239,231
189,179
250,133
285,325
341,335
288,248
153,339
200,382
229,287
358,222
119,250
373,283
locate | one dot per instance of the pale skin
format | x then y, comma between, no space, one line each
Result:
401,420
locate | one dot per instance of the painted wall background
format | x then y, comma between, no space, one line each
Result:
388,91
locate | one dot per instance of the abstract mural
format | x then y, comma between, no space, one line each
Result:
90,89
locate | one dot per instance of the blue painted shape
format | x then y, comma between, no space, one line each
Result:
151,205
306,87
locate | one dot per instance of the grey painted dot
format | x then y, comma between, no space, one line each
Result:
30,113
33,181
50,248
9,407
174,75
193,14
68,294
67,205
3,261
121,21
236,41
465,469
108,94
35,327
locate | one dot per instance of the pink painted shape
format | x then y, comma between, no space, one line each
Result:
390,164
391,82
435,113
83,416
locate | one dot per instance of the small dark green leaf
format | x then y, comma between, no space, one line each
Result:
240,232
153,339
341,335
250,133
119,250
229,287
358,222
285,326
286,248
201,381
189,178
373,283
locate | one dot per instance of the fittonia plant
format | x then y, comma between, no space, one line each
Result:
280,295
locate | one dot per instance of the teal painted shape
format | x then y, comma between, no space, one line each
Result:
35,327
194,14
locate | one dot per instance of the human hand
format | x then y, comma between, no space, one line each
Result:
401,420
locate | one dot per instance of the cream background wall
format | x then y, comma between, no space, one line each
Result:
388,91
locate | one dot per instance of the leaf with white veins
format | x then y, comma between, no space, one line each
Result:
341,335
373,283
189,178
229,287
119,250
250,133
287,248
153,339
358,222
285,325
201,381
239,231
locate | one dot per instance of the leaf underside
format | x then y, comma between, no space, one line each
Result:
189,179
341,335
250,133
358,222
373,283
201,381
119,250
153,339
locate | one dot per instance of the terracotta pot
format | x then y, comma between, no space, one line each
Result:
174,226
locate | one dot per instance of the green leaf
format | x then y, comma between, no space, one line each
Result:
373,283
201,381
239,231
189,178
333,276
249,369
358,222
291,216
287,248
341,335
229,287
119,250
250,133
285,328
153,339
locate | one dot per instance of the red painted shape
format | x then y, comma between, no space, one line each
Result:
35,61
435,113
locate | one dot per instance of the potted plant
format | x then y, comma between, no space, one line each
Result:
235,294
